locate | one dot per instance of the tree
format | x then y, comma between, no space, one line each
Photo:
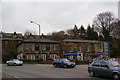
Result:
28,32
91,34
104,20
82,32
76,32
116,29
110,30
73,33
115,43
100,37
70,32
58,35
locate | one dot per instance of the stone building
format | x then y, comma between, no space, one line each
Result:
84,48
10,41
48,49
38,49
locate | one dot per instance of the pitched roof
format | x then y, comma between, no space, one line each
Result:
10,35
81,41
41,40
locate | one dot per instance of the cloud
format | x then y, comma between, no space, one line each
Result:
52,16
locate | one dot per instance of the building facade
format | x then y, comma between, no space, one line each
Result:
10,41
43,49
84,48
33,47
48,49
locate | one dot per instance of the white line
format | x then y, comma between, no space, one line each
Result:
13,76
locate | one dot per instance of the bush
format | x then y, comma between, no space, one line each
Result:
82,62
32,61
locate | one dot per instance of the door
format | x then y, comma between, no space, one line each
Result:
105,71
96,67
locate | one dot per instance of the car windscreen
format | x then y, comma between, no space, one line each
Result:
96,63
65,60
114,63
15,60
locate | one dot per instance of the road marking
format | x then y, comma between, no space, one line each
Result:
13,76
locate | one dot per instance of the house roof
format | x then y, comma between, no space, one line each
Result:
81,41
11,35
41,40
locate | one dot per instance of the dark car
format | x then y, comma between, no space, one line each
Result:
63,63
108,68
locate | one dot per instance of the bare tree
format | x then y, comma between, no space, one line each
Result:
28,32
116,30
104,20
58,35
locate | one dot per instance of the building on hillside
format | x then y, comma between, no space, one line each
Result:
33,49
48,49
9,42
40,47
84,48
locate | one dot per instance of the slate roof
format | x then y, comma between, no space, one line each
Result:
9,35
81,41
41,40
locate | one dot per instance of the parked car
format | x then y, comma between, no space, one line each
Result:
63,63
108,68
94,59
118,60
14,62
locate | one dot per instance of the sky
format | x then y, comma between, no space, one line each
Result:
52,16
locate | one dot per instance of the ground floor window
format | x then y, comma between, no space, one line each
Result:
70,57
20,56
52,57
43,57
32,57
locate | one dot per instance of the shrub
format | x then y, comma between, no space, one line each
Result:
82,62
32,61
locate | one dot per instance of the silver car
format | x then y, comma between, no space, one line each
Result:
14,62
109,68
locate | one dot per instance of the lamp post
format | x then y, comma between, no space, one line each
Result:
38,25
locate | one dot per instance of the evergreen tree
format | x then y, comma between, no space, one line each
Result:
91,34
82,32
76,32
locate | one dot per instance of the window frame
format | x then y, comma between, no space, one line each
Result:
96,65
37,47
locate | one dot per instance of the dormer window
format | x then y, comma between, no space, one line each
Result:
14,36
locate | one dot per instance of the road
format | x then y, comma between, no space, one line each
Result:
47,71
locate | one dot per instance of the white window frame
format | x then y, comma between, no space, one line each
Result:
43,57
53,57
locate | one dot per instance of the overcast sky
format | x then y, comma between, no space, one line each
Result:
52,16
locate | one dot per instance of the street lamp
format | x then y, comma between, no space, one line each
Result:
38,25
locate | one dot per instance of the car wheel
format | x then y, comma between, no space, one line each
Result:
91,73
72,66
65,66
21,65
55,66
15,64
7,64
116,76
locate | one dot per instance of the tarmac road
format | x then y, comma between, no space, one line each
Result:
47,71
